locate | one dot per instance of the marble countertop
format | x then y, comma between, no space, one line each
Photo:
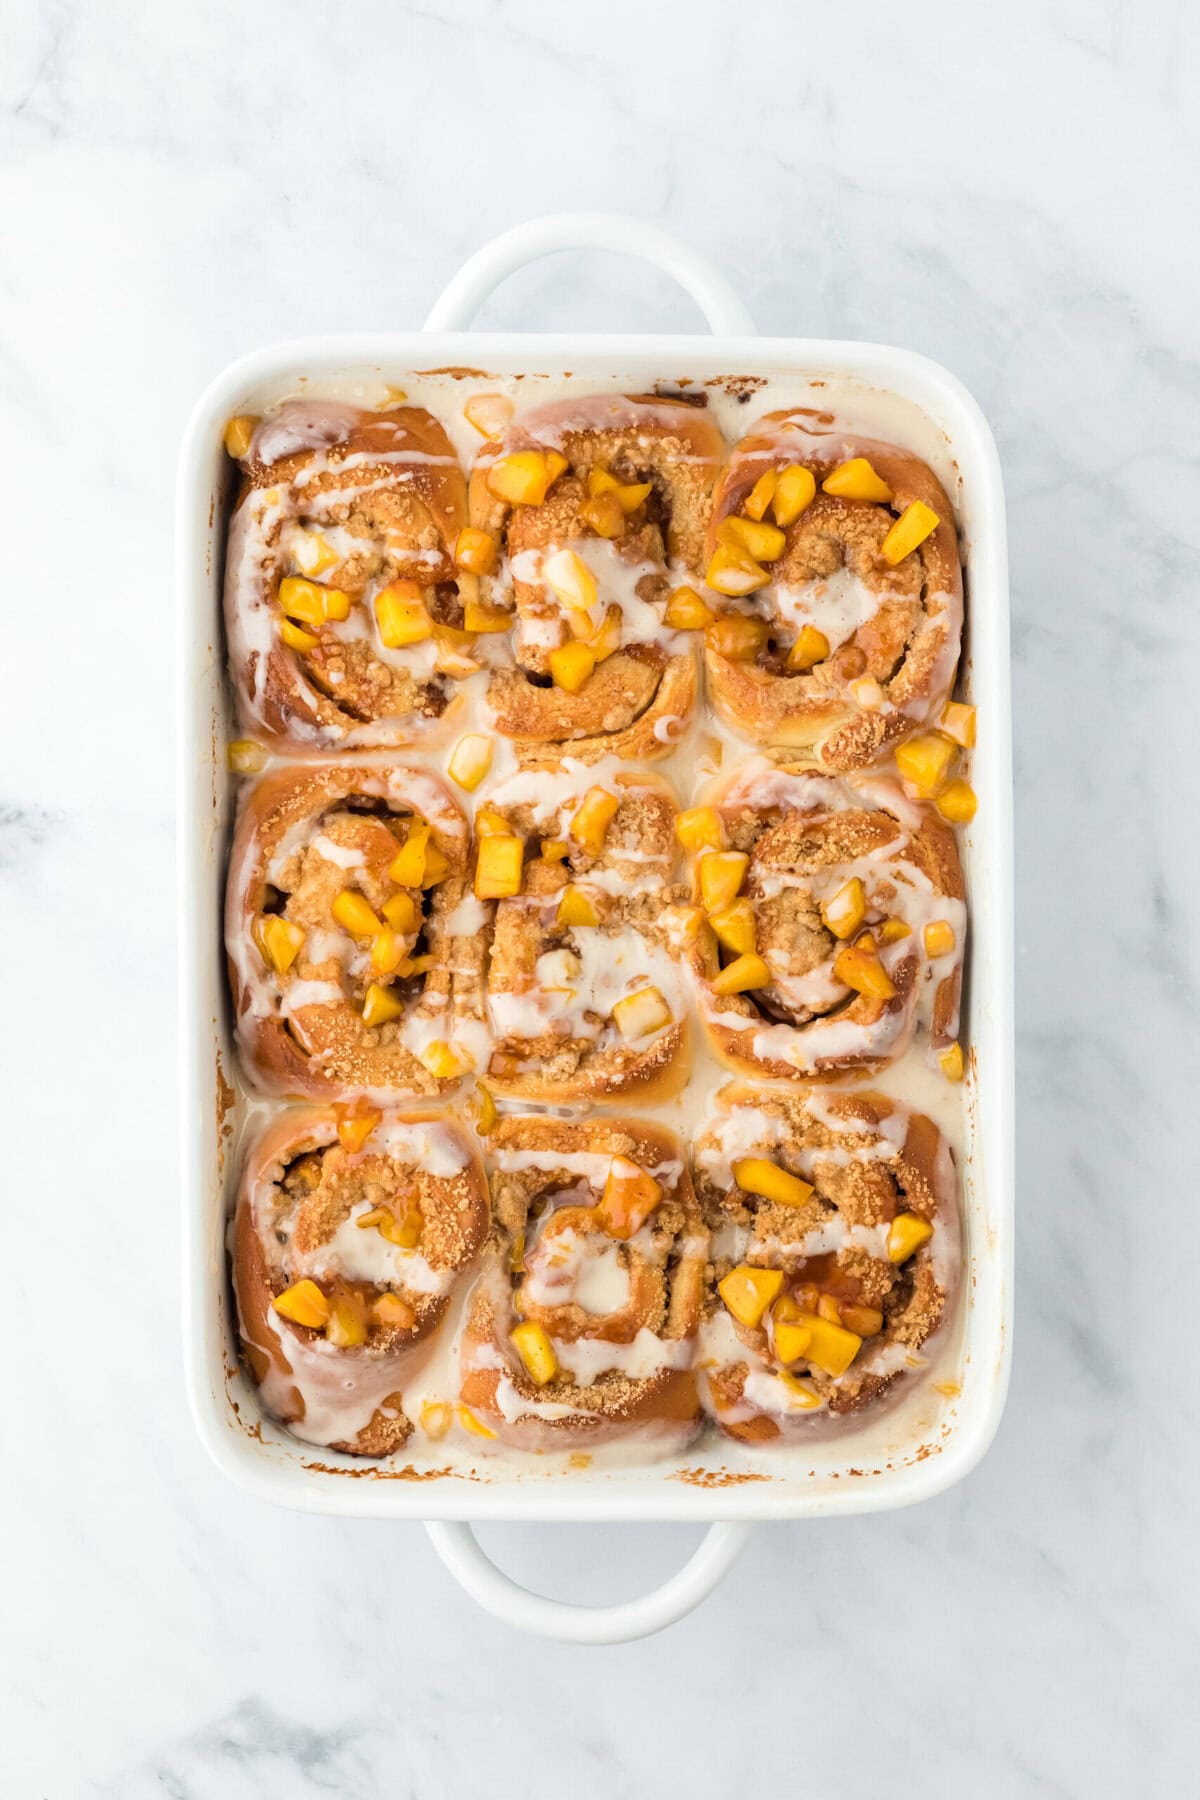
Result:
1009,191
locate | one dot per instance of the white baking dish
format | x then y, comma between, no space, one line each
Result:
896,1456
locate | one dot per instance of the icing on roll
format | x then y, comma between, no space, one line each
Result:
583,994
835,1255
344,604
351,1230
352,964
829,923
597,509
582,1326
834,566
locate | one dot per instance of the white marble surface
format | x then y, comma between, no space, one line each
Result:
1009,189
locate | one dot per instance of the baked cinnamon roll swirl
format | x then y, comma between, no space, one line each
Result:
831,922
343,603
582,1326
352,1228
583,993
352,937
835,1253
839,563
597,509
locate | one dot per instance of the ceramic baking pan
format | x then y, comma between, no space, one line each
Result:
897,1456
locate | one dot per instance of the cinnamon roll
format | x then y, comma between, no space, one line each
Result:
582,1326
839,563
352,937
352,1229
597,509
583,993
831,922
835,1254
343,602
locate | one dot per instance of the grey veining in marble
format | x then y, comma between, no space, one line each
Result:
1010,190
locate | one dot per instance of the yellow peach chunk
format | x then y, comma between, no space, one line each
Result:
755,1175
915,524
857,480
498,867
304,1304
747,1292
906,1233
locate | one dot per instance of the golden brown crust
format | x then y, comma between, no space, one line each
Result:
806,837
868,1159
389,488
908,646
298,1187
542,1210
302,1031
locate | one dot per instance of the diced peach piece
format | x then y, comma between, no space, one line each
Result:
592,818
347,1324
722,873
747,1292
686,611
354,914
939,937
857,480
630,1196
858,965
958,722
470,760
279,940
641,1014
576,907
295,638
957,802
795,490
736,637
761,542
735,927
238,434
391,1309
401,913
570,580
498,867
761,495
810,648
734,572
845,912
355,1122
407,868
925,761
478,617
488,413
755,1175
475,551
906,1233
243,756
864,1321
304,1304
536,1351
741,975
915,524
699,828
525,477
571,666
402,616
380,1005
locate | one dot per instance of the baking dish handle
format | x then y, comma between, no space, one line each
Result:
466,291
515,1605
